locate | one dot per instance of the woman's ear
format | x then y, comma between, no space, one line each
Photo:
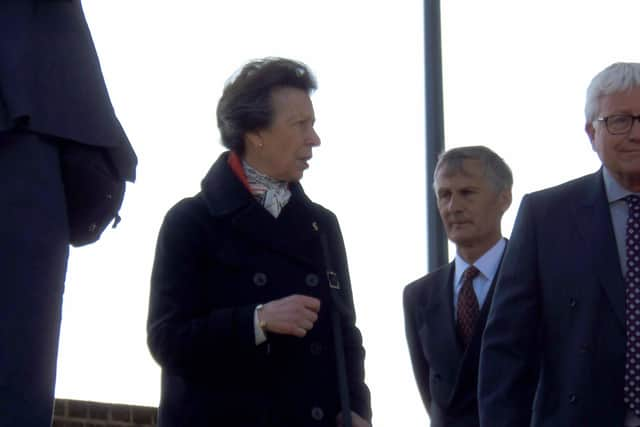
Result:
253,140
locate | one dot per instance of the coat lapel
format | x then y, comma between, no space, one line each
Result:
294,233
440,324
593,219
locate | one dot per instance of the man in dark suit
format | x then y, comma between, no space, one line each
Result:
52,95
445,311
567,297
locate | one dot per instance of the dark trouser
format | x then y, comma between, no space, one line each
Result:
33,262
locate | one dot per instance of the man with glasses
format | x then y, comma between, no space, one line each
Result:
562,342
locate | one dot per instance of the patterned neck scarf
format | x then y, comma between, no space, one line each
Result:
270,193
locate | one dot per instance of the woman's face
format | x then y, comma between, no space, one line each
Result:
283,150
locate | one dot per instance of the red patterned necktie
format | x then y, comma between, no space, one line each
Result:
468,308
632,307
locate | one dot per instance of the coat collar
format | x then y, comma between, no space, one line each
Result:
593,218
440,321
223,192
298,223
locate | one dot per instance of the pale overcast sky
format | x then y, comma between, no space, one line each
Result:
515,74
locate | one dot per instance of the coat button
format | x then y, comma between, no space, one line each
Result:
316,348
317,413
572,302
312,280
572,398
260,279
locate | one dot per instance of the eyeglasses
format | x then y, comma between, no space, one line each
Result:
619,124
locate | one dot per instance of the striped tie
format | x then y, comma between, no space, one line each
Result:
468,308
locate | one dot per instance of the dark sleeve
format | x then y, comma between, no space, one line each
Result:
184,333
418,361
509,358
354,351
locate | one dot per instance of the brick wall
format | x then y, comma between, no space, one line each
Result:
77,413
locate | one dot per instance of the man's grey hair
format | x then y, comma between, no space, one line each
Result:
617,77
496,169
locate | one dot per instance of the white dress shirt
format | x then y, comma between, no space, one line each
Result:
487,264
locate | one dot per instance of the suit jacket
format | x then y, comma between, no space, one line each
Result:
50,78
446,374
559,306
219,254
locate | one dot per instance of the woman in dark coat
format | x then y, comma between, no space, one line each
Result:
240,305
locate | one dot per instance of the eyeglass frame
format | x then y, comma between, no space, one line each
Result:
606,122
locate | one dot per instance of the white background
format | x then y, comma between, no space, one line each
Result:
515,73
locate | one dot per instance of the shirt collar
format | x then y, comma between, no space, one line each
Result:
487,264
614,190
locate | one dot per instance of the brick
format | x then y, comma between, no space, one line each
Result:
58,409
74,413
120,413
143,415
98,411
77,409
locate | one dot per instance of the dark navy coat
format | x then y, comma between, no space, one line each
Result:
50,78
446,373
219,254
51,94
558,303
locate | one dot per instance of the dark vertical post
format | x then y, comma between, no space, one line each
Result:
436,238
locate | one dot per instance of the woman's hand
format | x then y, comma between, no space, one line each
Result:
292,315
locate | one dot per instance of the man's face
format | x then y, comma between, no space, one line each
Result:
283,150
619,153
469,205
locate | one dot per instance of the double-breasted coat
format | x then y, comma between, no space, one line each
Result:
219,254
553,352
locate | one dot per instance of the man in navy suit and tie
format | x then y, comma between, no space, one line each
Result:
561,343
52,95
445,311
